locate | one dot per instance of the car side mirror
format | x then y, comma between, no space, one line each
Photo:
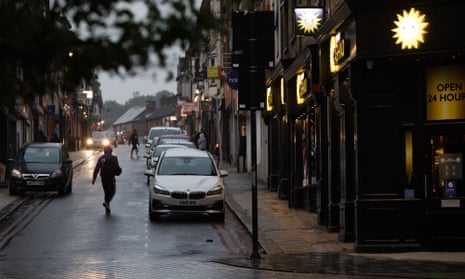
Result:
223,173
68,161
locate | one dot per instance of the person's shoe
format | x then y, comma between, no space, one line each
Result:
107,207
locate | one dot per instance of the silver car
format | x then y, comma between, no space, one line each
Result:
187,181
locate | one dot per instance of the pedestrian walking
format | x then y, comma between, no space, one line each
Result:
55,137
134,141
40,136
108,166
202,141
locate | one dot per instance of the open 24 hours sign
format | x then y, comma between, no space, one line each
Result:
445,92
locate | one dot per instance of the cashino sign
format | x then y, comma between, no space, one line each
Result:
445,92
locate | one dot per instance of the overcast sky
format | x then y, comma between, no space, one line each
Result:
148,82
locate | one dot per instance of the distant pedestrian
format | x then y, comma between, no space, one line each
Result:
202,141
55,137
40,136
134,141
108,166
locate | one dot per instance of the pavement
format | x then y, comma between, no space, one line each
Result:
291,240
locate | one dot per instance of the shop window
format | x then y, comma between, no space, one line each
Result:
409,157
447,166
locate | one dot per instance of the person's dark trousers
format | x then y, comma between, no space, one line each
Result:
109,187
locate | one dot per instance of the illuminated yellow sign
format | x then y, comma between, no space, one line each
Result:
283,98
445,92
308,20
269,99
410,28
301,88
213,72
338,51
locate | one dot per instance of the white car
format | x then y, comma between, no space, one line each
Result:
187,181
155,132
155,154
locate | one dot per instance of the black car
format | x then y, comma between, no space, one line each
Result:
41,167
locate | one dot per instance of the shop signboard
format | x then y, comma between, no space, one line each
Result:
445,92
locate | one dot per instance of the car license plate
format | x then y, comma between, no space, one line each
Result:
187,202
35,183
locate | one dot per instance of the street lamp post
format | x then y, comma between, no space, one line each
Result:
218,131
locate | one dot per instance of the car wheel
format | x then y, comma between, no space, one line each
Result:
219,217
152,215
12,190
62,190
69,190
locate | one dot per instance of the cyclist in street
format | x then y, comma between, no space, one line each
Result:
134,141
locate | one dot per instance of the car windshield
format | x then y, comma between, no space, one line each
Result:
157,152
98,135
40,155
187,166
109,134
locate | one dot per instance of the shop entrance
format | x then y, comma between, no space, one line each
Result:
446,163
445,186
448,153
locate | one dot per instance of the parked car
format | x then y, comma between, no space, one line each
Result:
44,166
187,181
173,139
155,155
155,132
179,140
101,139
152,137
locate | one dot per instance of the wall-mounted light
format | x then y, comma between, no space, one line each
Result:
198,93
370,64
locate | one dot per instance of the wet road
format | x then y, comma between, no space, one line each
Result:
71,237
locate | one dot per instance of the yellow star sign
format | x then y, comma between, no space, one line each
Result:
410,28
309,21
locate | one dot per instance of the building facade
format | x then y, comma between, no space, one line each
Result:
370,108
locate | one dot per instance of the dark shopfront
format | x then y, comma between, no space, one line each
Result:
395,130
291,124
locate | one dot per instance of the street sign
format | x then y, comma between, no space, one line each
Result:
252,91
253,52
253,40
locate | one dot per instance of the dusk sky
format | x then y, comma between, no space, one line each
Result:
147,82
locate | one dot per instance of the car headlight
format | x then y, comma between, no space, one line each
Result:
160,190
15,173
105,142
217,190
57,173
89,141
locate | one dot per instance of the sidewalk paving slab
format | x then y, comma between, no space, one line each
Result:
291,240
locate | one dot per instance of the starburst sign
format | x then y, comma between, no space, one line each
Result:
308,20
410,28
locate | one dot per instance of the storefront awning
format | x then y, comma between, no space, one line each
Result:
278,71
300,61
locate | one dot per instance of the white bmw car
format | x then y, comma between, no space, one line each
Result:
187,181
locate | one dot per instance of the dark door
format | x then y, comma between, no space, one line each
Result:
444,184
